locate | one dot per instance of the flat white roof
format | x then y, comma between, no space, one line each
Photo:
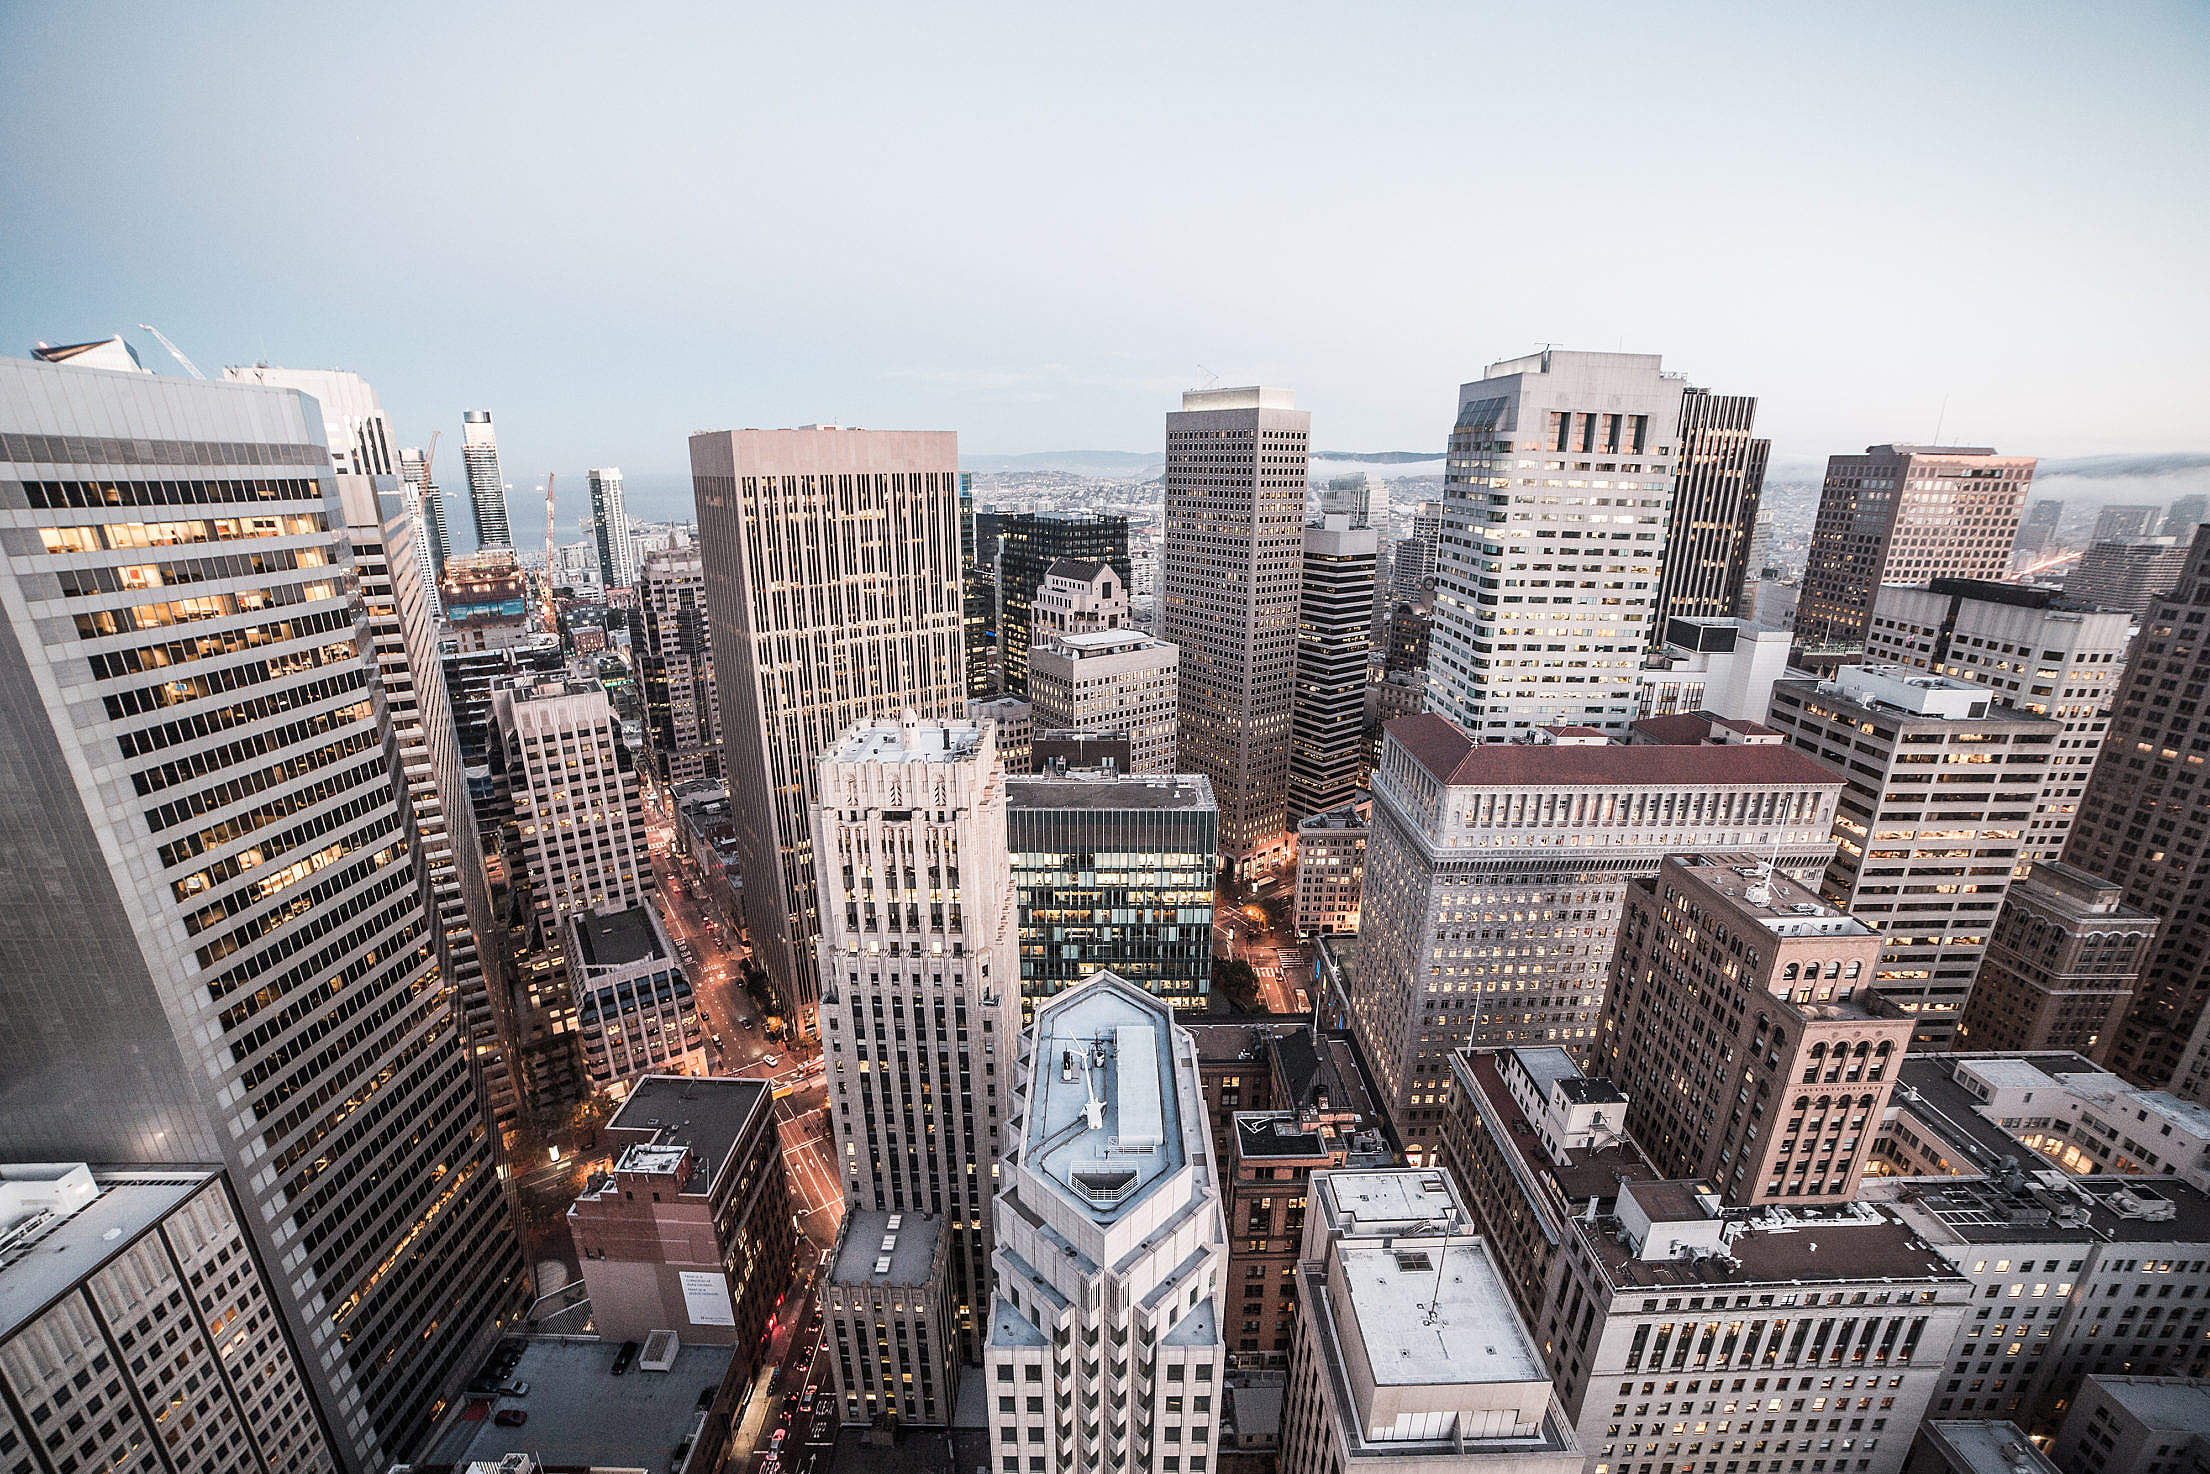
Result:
1435,1314
1396,1197
1103,1122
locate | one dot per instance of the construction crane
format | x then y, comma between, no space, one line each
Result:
174,352
552,620
429,460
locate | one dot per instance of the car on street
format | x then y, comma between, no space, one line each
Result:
771,1060
717,1041
509,1417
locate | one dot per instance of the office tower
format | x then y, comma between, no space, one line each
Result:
1410,1358
574,800
2117,522
1120,679
1411,636
1331,869
1413,558
617,546
1104,1346
428,505
691,1230
2044,512
2061,965
919,994
675,668
1328,706
479,453
1114,874
2184,516
1719,480
872,626
2034,650
212,879
1722,667
353,418
136,1316
1016,724
1235,495
635,1013
2034,1178
1861,1328
978,597
2037,535
1363,497
1903,514
887,1298
2141,824
1757,557
486,601
1942,786
1495,873
1554,509
1078,595
1021,548
2132,1425
2128,573
1733,988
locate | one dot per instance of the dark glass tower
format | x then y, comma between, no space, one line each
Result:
1718,481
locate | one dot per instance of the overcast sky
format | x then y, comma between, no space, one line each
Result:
614,224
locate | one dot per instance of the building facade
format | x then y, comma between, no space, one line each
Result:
1077,596
2127,573
1555,502
1720,481
1021,548
635,1012
479,453
832,595
1120,679
1234,539
1334,621
1104,1332
887,1298
574,799
675,668
615,544
429,509
2061,965
1331,869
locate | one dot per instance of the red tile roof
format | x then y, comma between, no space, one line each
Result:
1436,744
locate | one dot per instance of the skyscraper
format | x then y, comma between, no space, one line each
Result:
1719,481
2061,965
2142,823
675,667
1554,511
1363,497
1412,560
574,800
1032,542
360,436
1904,514
978,598
2185,514
428,506
617,546
832,590
919,987
2128,573
1234,535
1117,679
1334,617
220,943
479,452
2117,521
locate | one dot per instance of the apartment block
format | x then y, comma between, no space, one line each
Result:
887,1298
1110,678
2061,965
1233,543
920,993
1331,869
1495,874
872,625
1104,1334
635,1013
1412,560
1555,504
139,1329
1943,782
1334,619
1902,514
1116,874
1720,481
675,668
1737,1011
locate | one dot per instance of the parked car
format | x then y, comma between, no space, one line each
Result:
626,1358
771,1060
509,1417
515,1389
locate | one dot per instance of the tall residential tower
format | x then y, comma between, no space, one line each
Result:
479,452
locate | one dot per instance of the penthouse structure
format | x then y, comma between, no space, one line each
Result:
2034,651
1117,678
920,997
1104,1344
1077,597
1738,1012
2061,965
1410,1358
1943,784
1723,667
1495,874
1022,548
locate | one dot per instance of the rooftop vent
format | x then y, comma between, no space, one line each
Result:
1415,1261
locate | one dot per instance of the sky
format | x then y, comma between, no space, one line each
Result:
1036,224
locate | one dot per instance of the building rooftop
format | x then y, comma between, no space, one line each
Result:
2169,1403
1548,1067
880,1248
1103,1118
1260,1135
1987,1448
1436,744
1585,1173
1773,1245
1395,1200
580,1413
1082,570
60,1222
1110,791
619,938
1769,898
1105,642
1348,817
1690,729
910,739
2019,595
1440,1314
712,1116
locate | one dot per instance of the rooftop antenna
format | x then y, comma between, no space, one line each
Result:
1210,379
1760,891
1941,419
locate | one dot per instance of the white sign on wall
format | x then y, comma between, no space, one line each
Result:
706,1299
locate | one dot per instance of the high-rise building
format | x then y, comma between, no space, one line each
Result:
2034,650
1943,782
574,799
1409,1356
486,600
2117,522
428,505
675,668
2141,825
1719,481
1412,559
1554,509
2128,573
140,1329
617,545
2132,1425
2184,516
1328,713
1904,514
479,452
1016,724
1077,596
635,1012
2061,965
1021,549
832,591
1121,679
1331,869
920,995
1235,496
1735,987
1362,496
1495,873
1115,874
978,598
214,879
1104,1332
352,416
887,1298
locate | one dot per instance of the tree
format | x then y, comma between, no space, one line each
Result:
1235,978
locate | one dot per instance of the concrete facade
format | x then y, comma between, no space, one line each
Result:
1121,679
